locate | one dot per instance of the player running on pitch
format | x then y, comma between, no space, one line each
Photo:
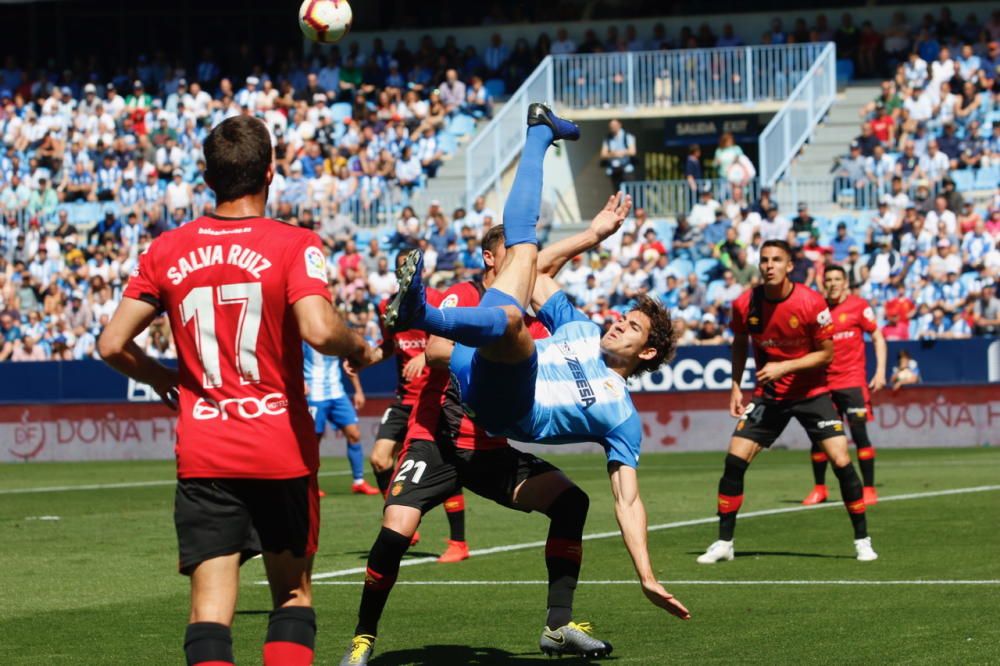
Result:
242,293
792,343
570,387
409,349
328,403
852,318
444,448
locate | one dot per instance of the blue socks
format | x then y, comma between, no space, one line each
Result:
520,214
471,326
356,456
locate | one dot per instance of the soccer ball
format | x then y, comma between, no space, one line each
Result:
325,21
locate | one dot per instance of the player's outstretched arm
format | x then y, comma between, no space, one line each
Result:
631,515
607,221
118,349
325,331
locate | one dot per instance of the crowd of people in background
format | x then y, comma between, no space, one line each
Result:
356,131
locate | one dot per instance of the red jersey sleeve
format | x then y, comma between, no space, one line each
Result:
820,320
866,317
142,284
306,270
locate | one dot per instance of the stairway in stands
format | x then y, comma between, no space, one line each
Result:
833,136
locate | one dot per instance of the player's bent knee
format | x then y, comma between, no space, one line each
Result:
401,519
836,451
352,433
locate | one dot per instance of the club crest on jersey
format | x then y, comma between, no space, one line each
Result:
315,263
842,317
396,489
754,321
793,321
450,301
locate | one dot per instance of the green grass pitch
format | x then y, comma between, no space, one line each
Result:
98,585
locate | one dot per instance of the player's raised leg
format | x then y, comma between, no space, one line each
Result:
852,494
741,453
495,325
819,492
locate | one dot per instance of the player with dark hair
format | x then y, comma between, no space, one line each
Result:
852,317
792,343
409,349
570,387
242,292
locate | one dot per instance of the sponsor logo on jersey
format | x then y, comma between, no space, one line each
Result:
844,335
582,384
869,314
824,318
450,301
315,263
224,232
836,425
272,404
404,344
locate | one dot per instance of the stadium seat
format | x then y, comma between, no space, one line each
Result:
986,178
682,268
339,111
712,292
447,142
496,88
461,125
965,179
845,71
664,231
363,237
705,268
969,279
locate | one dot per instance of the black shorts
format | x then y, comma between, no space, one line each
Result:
429,473
764,420
393,423
216,517
852,405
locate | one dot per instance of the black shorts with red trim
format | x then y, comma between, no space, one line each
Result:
393,423
853,404
764,420
428,473
216,517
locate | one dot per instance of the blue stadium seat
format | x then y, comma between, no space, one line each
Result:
965,179
363,237
712,292
447,142
705,268
845,71
495,87
339,111
682,268
664,231
986,179
461,125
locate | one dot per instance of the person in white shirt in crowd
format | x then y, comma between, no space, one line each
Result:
618,153
976,244
632,283
775,226
382,282
178,194
946,260
880,166
943,69
607,272
452,91
919,107
886,221
703,213
940,220
935,164
474,218
573,278
916,70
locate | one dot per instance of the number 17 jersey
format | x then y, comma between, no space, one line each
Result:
228,286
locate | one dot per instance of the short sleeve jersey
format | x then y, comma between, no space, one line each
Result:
851,320
578,398
228,286
407,345
785,330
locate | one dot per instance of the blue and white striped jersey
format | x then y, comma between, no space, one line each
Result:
322,375
578,398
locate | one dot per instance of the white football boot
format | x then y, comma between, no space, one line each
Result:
720,550
865,551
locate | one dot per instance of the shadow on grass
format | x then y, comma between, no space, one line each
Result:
780,553
463,655
410,554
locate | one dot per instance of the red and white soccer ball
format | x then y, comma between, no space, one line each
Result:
325,21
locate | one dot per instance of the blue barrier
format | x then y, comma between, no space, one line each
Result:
943,362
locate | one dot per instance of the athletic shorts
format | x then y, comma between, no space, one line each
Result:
216,517
853,404
338,412
393,423
764,420
428,474
495,395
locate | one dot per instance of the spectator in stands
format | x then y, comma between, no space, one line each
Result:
775,226
618,153
803,222
986,311
906,371
703,213
851,172
692,168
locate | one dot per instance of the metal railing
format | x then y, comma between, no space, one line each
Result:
794,123
650,79
833,194
728,75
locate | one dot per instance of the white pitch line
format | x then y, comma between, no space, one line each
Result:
678,582
665,526
112,486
